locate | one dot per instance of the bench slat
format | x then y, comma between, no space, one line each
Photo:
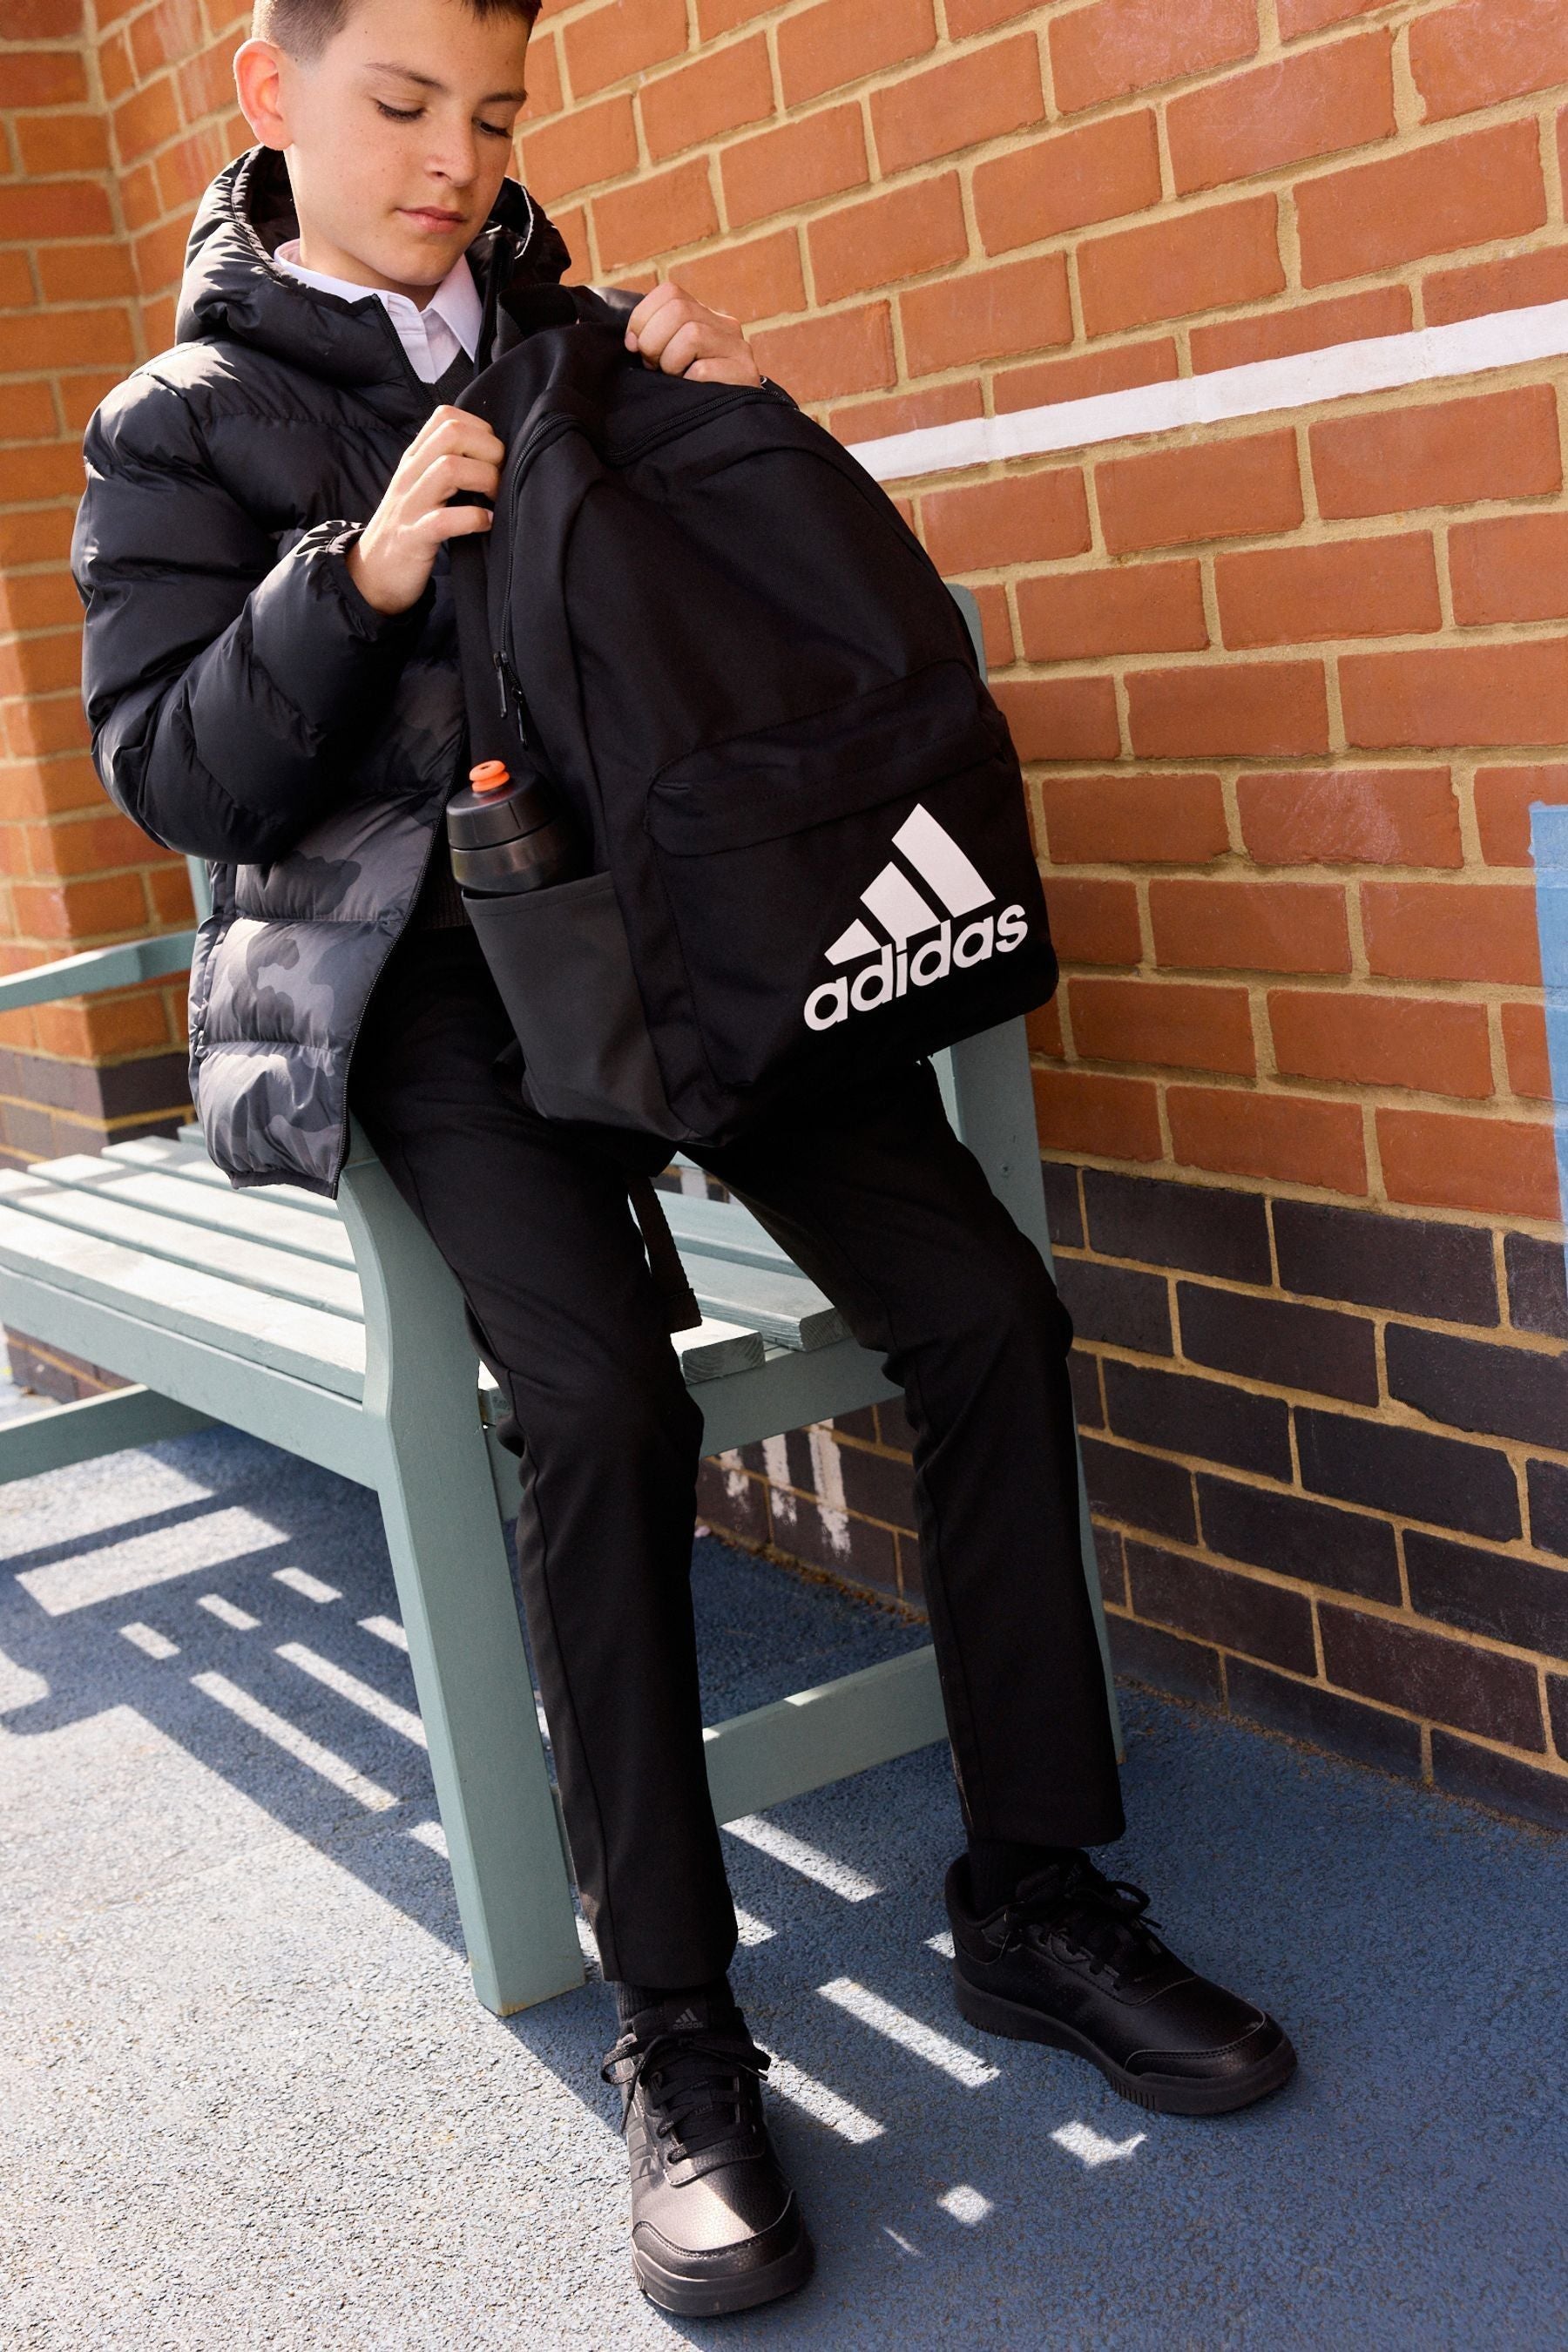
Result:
783,1305
178,1242
323,1351
189,1160
722,1229
245,1213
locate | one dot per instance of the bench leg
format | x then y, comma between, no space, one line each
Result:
58,1435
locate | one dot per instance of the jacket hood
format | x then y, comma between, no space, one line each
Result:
233,291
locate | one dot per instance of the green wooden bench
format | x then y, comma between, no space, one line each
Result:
335,1331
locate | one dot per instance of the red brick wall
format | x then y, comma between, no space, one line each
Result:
1284,689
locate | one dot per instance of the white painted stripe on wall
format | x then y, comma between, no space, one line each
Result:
1381,364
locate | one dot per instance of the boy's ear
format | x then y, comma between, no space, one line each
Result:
259,71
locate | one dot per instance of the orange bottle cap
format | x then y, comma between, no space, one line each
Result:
489,776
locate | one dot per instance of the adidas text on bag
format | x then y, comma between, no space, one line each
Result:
807,852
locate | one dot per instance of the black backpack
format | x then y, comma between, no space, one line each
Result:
717,637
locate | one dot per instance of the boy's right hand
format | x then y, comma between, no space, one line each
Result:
394,556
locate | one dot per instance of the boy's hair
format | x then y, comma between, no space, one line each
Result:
303,28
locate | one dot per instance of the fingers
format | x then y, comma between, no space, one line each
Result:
454,522
453,432
446,473
641,319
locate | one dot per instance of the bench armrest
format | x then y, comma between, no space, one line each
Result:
121,966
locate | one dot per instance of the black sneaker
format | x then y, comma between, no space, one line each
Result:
1070,1960
715,2225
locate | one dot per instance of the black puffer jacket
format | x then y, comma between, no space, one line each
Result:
247,704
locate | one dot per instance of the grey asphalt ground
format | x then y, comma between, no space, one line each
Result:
249,2099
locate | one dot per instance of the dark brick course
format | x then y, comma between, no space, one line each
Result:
1324,1718
1537,1285
1115,1307
1183,1415
1063,1213
1111,1566
1547,1484
1447,1681
1492,1592
1501,1782
1083,1370
1557,1709
1374,1260
1199,1228
1272,1340
1405,1471
1239,1612
1138,1487
1164,1662
879,1486
1296,1536
1476,1384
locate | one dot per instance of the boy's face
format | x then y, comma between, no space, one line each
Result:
398,135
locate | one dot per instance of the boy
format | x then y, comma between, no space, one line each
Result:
272,683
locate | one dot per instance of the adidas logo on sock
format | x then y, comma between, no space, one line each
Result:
688,2017
905,913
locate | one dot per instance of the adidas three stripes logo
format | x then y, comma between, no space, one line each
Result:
904,912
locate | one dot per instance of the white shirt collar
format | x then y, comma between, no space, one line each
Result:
449,323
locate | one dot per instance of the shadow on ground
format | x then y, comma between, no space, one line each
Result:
249,2099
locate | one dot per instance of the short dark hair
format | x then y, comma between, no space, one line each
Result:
304,27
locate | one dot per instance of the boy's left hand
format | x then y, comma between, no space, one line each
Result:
673,330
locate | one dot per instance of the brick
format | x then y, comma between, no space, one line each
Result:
1297,16
1470,190
1347,1550
1094,922
1202,1229
727,1498
1537,1286
987,314
981,95
1489,696
1304,327
906,412
1510,568
1138,608
1204,926
84,273
1255,710
1503,797
1480,1385
1448,1681
1064,1208
1083,1374
1500,445
1548,1489
1106,1118
58,208
1399,1263
1438,1480
581,148
1148,818
758,280
1271,1340
1086,375
170,29
1114,45
878,1487
1378,587
1287,1137
44,78
1110,1565
1209,1419
966,16
1433,1045
898,236
1177,1027
662,210
1141,1490
1239,1612
1115,1306
62,142
1067,181
1214,259
1323,1718
1480,287
830,46
1525,1050
1061,719
611,43
1351,816
1484,50
17,289
1427,930
1500,1782
696,103
1250,485
1500,1167
1161,1661
777,170
852,350
716,16
1489,1592
1026,519
1315,103
26,413
146,121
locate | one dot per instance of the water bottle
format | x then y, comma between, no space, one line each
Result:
508,833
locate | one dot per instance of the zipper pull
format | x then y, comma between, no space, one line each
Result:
507,674
499,664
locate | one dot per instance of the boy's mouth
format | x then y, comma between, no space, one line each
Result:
430,216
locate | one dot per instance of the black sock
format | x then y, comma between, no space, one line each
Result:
631,1998
998,1865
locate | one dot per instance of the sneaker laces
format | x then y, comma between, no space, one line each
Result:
1105,1918
696,2084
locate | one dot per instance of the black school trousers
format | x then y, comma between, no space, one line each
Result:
882,1206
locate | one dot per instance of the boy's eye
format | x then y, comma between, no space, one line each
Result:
398,113
497,131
